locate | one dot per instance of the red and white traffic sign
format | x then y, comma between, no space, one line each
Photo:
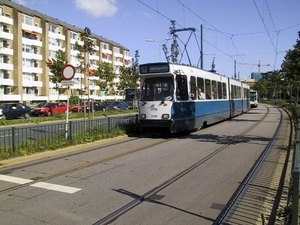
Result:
68,72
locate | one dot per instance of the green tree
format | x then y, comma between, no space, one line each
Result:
85,46
291,63
106,74
261,86
56,65
129,75
275,82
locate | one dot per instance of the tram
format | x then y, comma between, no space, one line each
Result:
178,98
253,99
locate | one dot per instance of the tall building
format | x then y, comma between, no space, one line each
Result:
29,38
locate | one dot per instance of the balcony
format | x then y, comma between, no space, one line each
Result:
57,36
29,83
32,42
6,35
8,82
32,28
10,97
6,20
6,66
28,55
6,51
32,69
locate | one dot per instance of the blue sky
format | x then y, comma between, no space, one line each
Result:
247,31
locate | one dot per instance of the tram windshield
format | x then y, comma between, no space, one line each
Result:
158,89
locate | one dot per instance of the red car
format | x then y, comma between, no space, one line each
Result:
51,108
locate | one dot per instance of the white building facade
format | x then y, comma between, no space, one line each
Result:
28,39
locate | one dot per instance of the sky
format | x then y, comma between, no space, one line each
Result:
237,35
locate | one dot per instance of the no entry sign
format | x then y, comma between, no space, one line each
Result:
68,72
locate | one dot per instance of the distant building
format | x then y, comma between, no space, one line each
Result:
256,76
259,75
250,82
28,38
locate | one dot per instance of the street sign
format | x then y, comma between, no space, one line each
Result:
67,82
68,72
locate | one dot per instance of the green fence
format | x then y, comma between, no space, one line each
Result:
37,137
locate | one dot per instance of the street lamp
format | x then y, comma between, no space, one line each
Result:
159,45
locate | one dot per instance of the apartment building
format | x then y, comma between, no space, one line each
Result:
28,38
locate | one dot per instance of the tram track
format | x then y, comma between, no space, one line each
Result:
147,195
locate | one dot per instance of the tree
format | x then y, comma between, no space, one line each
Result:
261,87
56,65
106,74
291,63
129,75
84,47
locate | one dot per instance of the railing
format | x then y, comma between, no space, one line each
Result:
295,170
33,138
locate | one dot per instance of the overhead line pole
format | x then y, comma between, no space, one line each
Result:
201,44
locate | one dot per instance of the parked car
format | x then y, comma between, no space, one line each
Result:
96,106
51,108
117,106
14,110
38,105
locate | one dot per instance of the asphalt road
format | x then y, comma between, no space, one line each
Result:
84,184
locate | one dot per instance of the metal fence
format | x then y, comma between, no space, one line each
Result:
60,134
295,170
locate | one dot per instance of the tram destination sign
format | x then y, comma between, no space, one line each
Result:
154,68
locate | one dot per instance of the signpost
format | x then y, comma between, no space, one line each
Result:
67,73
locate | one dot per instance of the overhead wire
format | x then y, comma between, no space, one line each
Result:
227,35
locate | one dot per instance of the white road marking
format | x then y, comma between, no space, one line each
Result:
56,187
45,185
14,179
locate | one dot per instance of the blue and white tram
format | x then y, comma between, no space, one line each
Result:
179,98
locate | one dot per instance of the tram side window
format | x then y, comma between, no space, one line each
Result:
224,90
232,92
182,90
214,93
208,88
239,92
220,92
193,87
200,88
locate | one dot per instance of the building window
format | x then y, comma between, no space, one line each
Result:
105,46
53,28
74,35
52,54
116,50
26,48
27,20
54,42
73,47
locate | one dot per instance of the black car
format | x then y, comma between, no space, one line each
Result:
14,110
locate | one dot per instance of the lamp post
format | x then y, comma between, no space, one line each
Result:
159,45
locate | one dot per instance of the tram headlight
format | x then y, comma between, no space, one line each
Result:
166,116
143,116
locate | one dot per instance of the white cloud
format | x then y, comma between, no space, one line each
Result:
20,2
98,8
